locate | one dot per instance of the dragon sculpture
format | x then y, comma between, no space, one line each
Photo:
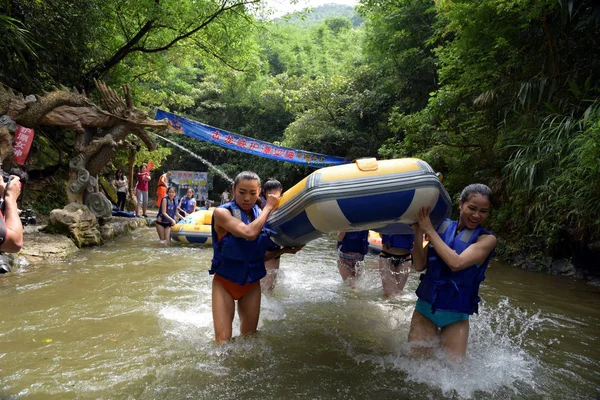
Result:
100,131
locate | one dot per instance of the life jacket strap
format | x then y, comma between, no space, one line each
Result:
438,283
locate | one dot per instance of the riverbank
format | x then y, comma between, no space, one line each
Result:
577,263
41,247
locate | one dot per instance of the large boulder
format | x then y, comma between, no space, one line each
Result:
563,267
77,222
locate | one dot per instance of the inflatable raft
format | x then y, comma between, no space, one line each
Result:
374,242
367,194
195,228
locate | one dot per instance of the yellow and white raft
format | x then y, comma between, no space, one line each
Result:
374,242
384,196
195,228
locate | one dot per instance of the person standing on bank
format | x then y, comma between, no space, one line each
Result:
394,260
224,197
122,188
238,264
456,259
161,188
352,248
141,190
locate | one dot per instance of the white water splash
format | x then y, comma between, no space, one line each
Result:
496,363
206,162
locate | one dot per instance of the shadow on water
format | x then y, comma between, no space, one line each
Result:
132,319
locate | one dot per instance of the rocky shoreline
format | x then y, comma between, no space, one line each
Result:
43,244
582,266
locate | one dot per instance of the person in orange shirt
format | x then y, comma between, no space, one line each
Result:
161,190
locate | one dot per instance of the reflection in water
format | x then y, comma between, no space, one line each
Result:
132,319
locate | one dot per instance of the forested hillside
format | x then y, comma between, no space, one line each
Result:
320,14
503,92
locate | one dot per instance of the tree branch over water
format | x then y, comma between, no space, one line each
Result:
153,27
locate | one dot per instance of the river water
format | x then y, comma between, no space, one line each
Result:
132,320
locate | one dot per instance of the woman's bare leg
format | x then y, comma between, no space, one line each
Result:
388,278
268,282
348,275
249,311
455,338
223,310
424,334
161,231
401,274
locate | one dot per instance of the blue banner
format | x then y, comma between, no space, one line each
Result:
246,144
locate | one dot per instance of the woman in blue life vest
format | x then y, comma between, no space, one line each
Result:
456,260
351,248
274,251
167,215
187,204
394,263
239,247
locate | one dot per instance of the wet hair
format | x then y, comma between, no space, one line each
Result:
246,176
476,189
271,184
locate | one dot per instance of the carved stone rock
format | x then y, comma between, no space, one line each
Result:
78,222
99,205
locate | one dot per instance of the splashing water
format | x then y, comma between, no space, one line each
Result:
206,162
496,365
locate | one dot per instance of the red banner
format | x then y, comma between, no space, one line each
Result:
22,144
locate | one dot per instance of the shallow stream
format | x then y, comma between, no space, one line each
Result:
132,320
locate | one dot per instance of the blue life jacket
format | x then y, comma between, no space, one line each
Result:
355,242
171,208
187,204
237,259
398,241
445,289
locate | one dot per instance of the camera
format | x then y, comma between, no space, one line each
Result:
4,264
17,172
23,177
27,217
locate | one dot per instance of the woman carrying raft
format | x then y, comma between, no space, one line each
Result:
394,263
456,260
351,248
274,251
239,244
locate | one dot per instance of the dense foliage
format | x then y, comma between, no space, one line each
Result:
505,92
